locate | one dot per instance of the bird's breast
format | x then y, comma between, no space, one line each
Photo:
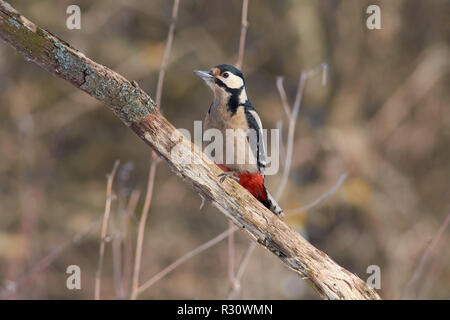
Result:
235,149
221,118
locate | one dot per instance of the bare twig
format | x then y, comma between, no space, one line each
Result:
236,285
244,26
280,142
203,201
283,96
141,230
167,50
185,258
304,76
137,110
109,196
322,197
418,270
231,253
128,245
117,265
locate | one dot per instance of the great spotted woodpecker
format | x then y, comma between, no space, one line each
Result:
231,109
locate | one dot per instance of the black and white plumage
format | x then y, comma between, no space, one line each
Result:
231,109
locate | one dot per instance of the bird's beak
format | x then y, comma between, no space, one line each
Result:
205,75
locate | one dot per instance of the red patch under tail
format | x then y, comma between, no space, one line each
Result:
253,182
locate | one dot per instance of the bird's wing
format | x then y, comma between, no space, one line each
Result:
259,151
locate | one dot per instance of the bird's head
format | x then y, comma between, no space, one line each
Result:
225,80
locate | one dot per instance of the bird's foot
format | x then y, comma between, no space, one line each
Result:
228,174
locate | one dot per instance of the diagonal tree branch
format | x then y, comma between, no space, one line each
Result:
138,112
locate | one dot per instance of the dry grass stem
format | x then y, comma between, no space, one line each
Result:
103,238
323,197
167,50
141,229
243,36
419,269
185,258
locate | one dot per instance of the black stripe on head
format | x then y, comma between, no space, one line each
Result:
233,101
233,70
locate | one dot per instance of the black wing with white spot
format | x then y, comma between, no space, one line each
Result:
257,147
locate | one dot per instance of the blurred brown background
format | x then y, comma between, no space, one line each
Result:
383,118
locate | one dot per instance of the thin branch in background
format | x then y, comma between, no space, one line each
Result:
167,50
118,229
419,269
128,244
323,197
324,69
283,96
244,26
141,230
155,158
304,76
117,265
236,287
109,196
185,258
280,142
230,253
292,116
203,201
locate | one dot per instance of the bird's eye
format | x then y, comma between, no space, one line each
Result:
225,74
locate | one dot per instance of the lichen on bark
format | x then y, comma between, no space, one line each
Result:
129,102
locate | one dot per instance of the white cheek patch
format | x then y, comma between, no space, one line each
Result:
233,81
243,96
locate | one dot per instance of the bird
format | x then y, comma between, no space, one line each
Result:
231,109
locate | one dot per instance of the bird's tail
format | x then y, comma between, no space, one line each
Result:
271,204
255,184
